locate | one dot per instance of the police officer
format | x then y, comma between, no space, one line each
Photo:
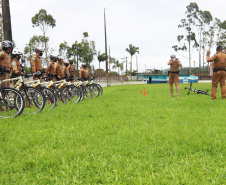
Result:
174,73
66,69
84,73
5,64
51,68
59,69
219,69
71,69
16,67
36,62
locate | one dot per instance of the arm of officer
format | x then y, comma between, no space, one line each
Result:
170,62
179,63
80,74
47,69
14,68
208,59
33,64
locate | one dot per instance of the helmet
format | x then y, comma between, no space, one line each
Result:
52,56
39,49
172,56
16,52
7,44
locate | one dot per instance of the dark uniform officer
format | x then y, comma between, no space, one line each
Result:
219,69
36,62
174,73
51,68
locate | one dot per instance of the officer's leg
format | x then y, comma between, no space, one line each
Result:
171,83
176,81
222,84
215,80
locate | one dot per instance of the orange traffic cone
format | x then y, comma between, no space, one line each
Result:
144,93
141,91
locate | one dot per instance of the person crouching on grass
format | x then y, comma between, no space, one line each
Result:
174,73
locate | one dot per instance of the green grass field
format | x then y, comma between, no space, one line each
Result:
121,137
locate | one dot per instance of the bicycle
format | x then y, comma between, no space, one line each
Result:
11,101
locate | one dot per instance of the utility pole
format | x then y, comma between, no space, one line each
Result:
109,67
7,31
137,63
106,53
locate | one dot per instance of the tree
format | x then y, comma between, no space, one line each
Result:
101,57
88,50
132,50
118,65
189,37
63,48
43,21
75,50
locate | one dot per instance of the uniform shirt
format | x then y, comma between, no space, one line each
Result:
174,66
51,68
84,73
59,70
219,60
36,62
66,70
15,66
5,60
71,70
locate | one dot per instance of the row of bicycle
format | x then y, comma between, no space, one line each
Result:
31,97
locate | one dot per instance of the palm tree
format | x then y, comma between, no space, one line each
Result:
118,65
132,50
101,58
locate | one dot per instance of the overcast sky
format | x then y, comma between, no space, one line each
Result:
150,25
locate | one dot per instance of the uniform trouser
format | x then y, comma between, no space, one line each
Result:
174,77
4,77
218,77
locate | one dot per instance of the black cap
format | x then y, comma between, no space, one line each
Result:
219,48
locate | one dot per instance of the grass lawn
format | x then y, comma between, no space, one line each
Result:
121,137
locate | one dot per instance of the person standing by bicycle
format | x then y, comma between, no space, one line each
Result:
36,62
59,69
174,73
16,67
71,69
51,68
219,72
5,64
84,73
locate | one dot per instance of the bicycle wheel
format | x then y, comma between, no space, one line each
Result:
94,89
61,99
72,93
100,88
49,96
87,92
11,103
34,100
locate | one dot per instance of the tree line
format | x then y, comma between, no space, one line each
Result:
82,51
201,32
